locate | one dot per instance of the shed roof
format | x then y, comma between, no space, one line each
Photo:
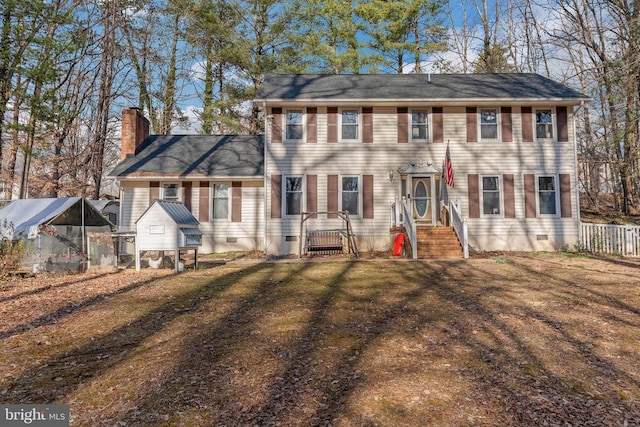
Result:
177,211
414,87
195,155
25,215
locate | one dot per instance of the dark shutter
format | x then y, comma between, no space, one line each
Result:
312,124
312,194
367,125
276,196
472,124
332,124
438,125
367,196
507,129
187,194
203,202
474,195
565,195
276,125
236,201
509,196
154,191
529,195
403,125
332,195
527,124
562,121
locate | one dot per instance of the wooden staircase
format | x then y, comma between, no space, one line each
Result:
438,243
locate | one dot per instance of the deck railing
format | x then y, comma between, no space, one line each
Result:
459,224
610,239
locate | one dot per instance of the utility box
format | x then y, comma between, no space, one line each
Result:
167,226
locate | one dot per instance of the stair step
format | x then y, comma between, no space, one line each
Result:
438,243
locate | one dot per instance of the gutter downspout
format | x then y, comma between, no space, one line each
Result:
264,198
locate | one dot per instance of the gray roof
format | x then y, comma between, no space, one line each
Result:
413,87
176,211
195,155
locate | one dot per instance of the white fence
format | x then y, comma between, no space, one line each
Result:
610,239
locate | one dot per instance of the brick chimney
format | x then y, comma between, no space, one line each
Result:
135,129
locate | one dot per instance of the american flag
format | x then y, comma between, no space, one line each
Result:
448,169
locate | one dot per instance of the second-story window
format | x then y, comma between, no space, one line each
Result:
489,124
294,124
544,124
419,125
349,124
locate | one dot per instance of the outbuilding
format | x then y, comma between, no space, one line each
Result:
167,226
58,234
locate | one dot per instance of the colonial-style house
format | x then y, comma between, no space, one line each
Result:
374,146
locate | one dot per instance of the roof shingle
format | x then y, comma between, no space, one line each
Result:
394,87
196,155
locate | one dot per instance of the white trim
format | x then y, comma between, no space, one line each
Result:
498,124
212,198
358,125
429,122
500,196
284,195
556,189
554,127
303,124
179,190
359,192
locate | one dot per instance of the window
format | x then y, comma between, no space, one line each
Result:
491,195
547,195
350,192
349,125
170,192
489,124
544,124
293,195
419,125
220,201
294,124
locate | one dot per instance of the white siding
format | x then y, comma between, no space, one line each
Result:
385,154
134,201
156,231
218,235
223,235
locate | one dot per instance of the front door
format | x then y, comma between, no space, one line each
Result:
423,199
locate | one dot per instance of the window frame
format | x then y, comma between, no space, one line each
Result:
499,191
302,124
163,188
285,192
498,124
554,132
214,198
427,124
556,198
357,125
358,192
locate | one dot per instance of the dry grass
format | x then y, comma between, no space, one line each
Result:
509,340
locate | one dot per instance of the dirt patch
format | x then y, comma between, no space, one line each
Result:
508,339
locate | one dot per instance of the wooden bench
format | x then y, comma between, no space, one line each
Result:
325,242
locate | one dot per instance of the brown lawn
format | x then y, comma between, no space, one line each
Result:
538,339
